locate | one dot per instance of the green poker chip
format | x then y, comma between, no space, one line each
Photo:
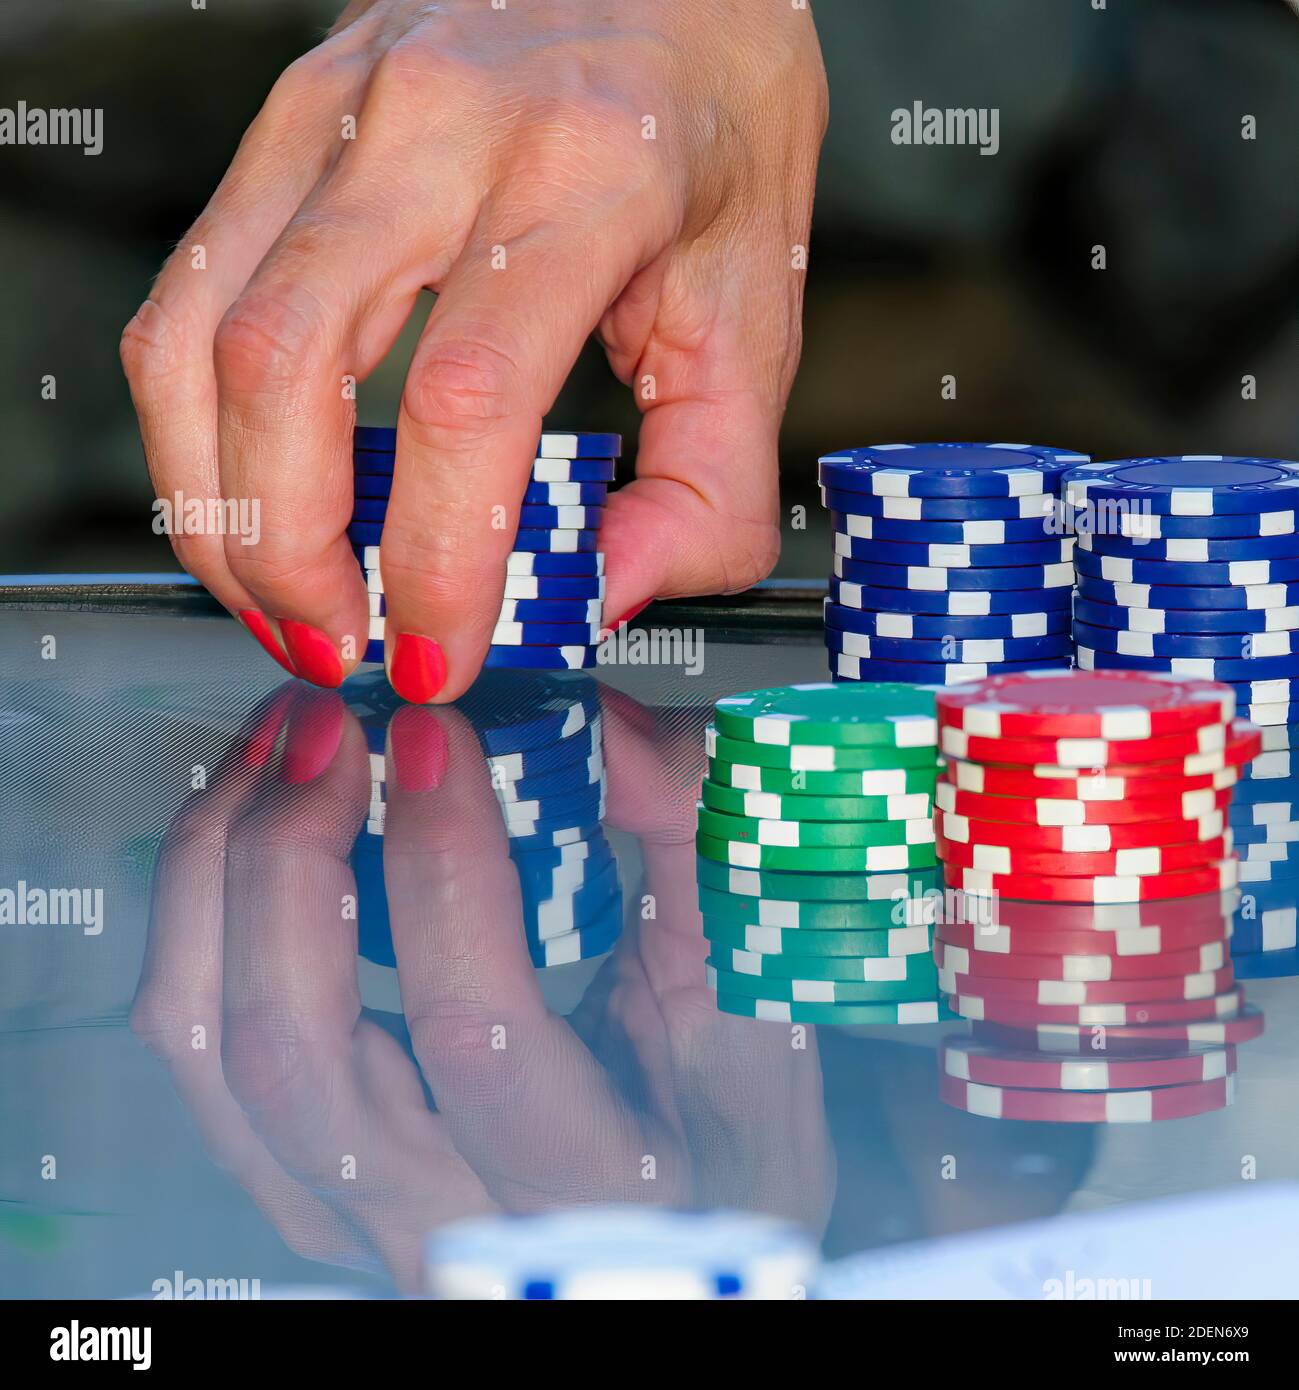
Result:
917,970
800,991
732,801
795,834
815,887
801,944
850,714
778,1011
815,757
905,910
865,859
864,782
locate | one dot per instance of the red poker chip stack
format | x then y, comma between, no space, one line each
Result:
1081,820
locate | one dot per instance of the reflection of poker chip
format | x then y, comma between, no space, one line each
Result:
799,942
1139,990
860,915
1034,967
817,991
1001,1010
915,969
778,1011
1247,1025
997,942
1082,1107
968,1059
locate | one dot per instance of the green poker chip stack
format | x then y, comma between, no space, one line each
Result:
818,878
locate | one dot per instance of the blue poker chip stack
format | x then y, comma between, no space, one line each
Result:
1190,564
551,616
541,738
951,562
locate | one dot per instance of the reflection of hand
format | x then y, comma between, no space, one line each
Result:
641,169
649,1096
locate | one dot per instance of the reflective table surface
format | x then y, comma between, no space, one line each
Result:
294,1014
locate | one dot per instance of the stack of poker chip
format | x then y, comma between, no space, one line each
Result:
550,616
950,561
816,866
1083,821
621,1252
541,738
1191,565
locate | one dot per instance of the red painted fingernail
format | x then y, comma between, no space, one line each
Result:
630,614
314,656
315,731
419,749
418,669
256,623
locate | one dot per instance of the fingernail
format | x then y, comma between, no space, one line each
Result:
418,669
256,623
314,656
315,731
629,615
419,749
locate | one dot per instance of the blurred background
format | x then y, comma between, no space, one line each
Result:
1120,124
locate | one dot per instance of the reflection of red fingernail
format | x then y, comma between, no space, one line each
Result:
315,731
419,749
418,669
256,623
314,656
629,615
261,742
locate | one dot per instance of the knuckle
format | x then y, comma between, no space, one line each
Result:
458,390
264,1060
452,1036
266,570
153,345
264,342
440,574
748,555
156,1020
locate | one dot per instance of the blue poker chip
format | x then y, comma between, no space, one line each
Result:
541,877
373,463
545,836
1189,621
1279,788
1264,965
369,509
369,466
566,494
1189,484
1140,524
948,470
1189,596
522,713
1119,569
559,587
1279,875
363,533
560,808
554,444
571,755
925,532
577,610
1262,814
373,654
563,541
1198,552
372,485
857,668
516,634
1265,921
1227,669
1243,646
928,580
534,564
940,626
969,651
955,604
1035,506
561,518
540,658
944,555
583,944
1269,833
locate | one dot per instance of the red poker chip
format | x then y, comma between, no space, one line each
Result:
986,1064
1095,1041
1072,993
996,943
981,1006
980,909
1139,861
1109,784
1052,810
1209,741
1084,1107
1080,839
1082,965
1084,704
1085,888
